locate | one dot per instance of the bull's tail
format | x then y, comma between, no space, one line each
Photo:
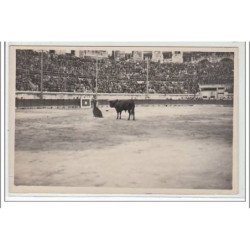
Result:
132,112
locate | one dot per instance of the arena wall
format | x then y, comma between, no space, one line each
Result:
30,99
78,95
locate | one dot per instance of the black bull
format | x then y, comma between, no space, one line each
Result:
126,105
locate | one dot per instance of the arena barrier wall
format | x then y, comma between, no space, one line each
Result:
28,99
40,103
166,102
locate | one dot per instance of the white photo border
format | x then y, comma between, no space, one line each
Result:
53,197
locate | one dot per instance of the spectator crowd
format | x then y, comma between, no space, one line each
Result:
69,73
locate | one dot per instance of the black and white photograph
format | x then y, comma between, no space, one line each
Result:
124,125
126,120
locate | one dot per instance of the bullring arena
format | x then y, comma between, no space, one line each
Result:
181,137
171,144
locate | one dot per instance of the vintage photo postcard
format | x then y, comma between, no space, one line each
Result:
125,121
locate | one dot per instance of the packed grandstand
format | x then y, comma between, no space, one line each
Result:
70,73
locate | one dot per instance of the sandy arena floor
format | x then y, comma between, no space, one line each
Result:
165,147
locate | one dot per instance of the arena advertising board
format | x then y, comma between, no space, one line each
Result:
125,121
